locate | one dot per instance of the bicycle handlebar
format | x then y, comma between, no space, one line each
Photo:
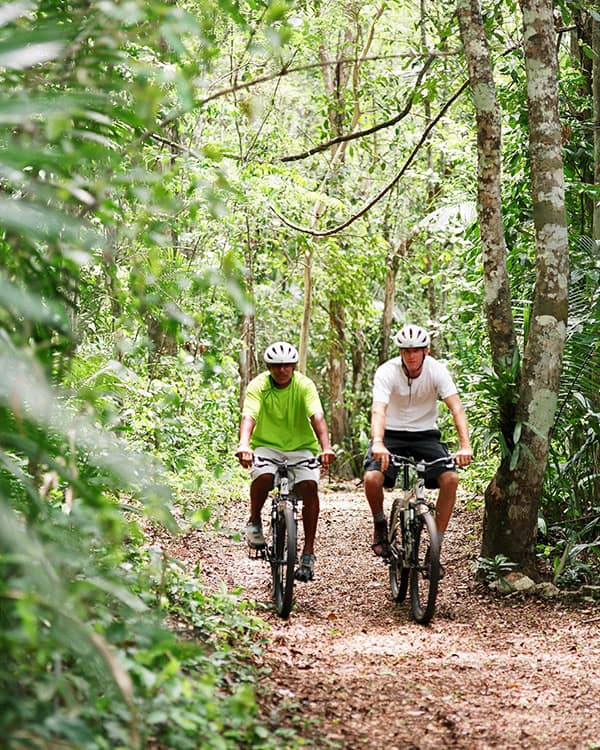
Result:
310,463
422,465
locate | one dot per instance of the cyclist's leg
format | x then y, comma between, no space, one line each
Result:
447,482
375,481
260,486
428,446
305,484
304,481
308,491
259,490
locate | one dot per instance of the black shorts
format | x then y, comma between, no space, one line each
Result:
425,445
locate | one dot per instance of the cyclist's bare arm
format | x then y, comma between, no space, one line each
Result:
378,449
319,425
244,452
464,455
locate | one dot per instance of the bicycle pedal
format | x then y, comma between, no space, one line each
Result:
257,553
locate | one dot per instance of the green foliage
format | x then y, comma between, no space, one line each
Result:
572,548
94,305
128,679
572,491
138,227
494,568
187,685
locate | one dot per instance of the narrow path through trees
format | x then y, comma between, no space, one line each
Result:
487,673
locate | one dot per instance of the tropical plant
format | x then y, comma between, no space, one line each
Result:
91,301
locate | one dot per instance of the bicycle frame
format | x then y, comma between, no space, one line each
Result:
280,494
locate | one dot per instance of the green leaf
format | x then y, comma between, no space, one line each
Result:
118,592
517,432
44,223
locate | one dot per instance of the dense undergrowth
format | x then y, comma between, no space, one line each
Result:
109,643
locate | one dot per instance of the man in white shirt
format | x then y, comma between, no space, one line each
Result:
404,415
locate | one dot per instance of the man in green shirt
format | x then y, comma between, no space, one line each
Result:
282,417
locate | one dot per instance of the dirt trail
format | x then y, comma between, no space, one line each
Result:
486,673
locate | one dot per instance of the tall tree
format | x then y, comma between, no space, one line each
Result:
596,115
512,498
497,298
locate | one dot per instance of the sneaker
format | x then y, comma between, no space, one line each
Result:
306,569
254,536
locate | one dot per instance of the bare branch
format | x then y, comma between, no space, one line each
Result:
360,133
286,70
388,187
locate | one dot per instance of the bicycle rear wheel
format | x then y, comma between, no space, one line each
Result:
283,560
425,573
398,572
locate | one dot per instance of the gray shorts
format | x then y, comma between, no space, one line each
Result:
298,474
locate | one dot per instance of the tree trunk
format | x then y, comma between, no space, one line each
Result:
393,264
337,373
498,307
247,362
358,396
497,295
306,306
512,499
248,355
596,116
582,42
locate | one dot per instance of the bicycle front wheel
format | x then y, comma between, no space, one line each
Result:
425,570
398,571
283,560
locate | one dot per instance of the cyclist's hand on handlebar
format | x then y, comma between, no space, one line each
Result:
463,457
380,453
245,455
327,457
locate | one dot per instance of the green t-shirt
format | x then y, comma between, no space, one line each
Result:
282,414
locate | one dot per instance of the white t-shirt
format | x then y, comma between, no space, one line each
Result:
412,408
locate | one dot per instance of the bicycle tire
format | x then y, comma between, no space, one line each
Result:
425,569
398,571
283,561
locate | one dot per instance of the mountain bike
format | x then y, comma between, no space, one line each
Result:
281,550
414,547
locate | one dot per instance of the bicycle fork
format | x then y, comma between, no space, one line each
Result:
281,498
412,508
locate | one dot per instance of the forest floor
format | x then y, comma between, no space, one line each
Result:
351,669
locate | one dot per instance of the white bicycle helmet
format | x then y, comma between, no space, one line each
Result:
412,337
281,353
